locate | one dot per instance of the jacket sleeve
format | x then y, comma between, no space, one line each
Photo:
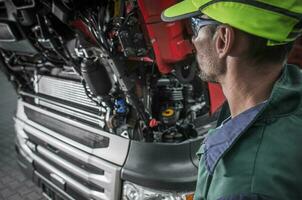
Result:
246,197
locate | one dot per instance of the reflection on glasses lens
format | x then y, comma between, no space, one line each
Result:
198,23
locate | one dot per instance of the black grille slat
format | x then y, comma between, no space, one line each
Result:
3,11
89,185
77,162
84,137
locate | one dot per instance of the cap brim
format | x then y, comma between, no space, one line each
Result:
182,10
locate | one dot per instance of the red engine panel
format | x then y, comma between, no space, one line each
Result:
169,44
167,39
216,97
295,56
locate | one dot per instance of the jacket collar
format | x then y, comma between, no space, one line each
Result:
224,136
287,91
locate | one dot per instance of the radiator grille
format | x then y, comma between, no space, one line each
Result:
67,90
88,175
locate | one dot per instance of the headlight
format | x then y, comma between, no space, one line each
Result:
132,191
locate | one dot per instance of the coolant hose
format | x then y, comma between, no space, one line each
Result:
96,77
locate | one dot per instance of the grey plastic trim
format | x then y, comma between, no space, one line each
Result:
116,152
66,109
26,7
110,181
71,151
6,26
72,183
57,189
105,181
60,182
93,119
162,166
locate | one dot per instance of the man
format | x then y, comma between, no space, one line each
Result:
255,152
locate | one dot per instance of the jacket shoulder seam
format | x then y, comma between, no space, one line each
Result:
252,182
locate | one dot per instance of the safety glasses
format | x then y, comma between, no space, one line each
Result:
197,23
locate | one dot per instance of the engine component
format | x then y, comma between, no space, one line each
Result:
60,11
118,118
131,38
188,92
170,116
93,62
189,101
12,37
96,77
185,71
173,93
97,80
172,137
170,100
117,122
8,32
120,106
22,4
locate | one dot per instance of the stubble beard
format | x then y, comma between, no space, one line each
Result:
209,71
207,77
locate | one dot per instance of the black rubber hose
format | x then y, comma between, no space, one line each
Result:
96,77
185,73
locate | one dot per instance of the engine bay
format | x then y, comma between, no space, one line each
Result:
110,64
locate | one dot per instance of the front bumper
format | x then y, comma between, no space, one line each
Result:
63,168
49,190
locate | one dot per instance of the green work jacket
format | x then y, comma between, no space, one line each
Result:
257,154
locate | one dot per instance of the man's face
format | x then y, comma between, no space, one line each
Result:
209,64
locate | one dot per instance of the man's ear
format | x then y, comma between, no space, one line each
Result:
224,40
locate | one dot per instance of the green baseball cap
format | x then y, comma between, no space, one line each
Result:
279,21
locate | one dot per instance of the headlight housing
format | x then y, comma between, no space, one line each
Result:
132,191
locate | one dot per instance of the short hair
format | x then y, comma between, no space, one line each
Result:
260,53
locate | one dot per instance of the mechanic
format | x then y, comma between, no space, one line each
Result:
255,151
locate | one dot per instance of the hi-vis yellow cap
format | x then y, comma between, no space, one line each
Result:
279,21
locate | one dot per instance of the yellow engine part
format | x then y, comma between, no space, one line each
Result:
168,112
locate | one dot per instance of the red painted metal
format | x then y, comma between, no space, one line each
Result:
153,123
295,56
167,39
216,97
